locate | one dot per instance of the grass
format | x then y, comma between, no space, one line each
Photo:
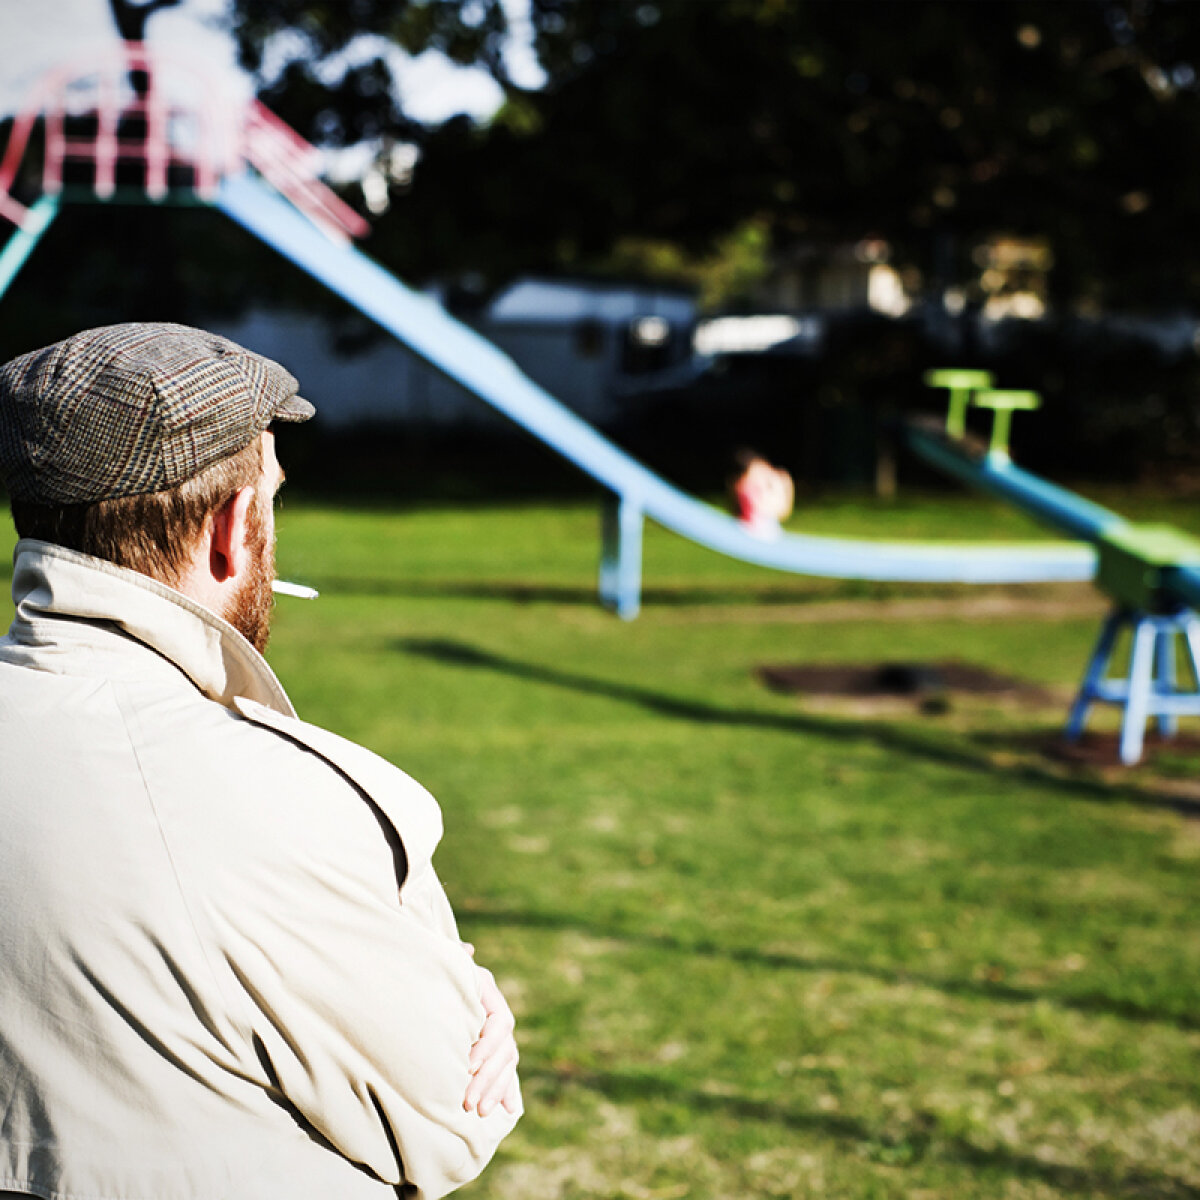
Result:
759,948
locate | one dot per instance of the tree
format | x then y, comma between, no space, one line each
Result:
678,120
131,16
678,125
696,137
336,85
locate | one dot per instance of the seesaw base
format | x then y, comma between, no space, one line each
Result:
1150,690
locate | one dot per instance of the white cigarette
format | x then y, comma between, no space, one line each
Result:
282,588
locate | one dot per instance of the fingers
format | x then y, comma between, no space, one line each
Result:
496,1033
494,1056
490,995
495,1082
493,1066
512,1098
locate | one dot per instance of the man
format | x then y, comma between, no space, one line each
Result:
227,968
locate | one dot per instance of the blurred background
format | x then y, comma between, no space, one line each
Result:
701,224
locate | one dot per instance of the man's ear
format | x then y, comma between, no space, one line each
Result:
227,556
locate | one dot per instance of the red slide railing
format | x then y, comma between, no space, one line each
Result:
286,160
161,121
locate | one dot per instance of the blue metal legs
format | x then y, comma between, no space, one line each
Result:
1151,689
1094,676
621,557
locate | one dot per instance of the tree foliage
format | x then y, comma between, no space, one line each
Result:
677,120
680,121
324,65
131,16
671,134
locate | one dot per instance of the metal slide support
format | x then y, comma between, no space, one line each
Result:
20,246
622,520
1150,689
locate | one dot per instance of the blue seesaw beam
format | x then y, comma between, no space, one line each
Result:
996,474
469,359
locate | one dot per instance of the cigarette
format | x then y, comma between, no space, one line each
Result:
282,588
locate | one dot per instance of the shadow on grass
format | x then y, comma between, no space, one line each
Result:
692,595
992,990
902,740
512,591
921,1140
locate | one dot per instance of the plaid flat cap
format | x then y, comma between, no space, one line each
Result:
125,410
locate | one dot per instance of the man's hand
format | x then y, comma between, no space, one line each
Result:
494,1056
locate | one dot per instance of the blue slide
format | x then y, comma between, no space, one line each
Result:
469,359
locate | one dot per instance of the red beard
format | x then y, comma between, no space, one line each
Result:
249,612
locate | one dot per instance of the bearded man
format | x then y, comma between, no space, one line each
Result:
228,970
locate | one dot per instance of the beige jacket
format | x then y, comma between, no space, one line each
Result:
211,987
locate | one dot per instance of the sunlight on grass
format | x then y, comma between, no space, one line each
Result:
758,950
756,947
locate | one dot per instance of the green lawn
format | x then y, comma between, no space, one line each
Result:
759,947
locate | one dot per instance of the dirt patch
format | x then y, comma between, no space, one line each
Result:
1168,773
1102,749
924,683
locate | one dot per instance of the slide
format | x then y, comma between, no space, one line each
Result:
314,243
422,325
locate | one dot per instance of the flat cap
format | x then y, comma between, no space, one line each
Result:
125,410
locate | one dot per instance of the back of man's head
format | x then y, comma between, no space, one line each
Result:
120,441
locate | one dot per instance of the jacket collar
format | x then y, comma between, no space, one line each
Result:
51,583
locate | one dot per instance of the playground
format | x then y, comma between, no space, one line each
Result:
121,126
762,941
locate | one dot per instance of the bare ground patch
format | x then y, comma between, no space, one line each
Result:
1054,603
902,686
1167,774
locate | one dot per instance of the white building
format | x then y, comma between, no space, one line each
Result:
593,346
